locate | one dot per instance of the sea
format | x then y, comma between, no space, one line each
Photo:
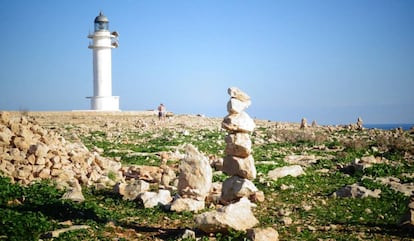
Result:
389,126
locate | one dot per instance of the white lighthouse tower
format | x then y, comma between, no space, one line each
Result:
103,42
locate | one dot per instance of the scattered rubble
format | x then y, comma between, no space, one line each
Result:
29,152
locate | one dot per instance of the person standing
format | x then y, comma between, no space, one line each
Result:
161,112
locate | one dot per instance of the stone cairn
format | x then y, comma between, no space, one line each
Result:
238,190
303,123
238,161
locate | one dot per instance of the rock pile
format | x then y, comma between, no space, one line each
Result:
358,126
238,161
239,164
29,153
193,186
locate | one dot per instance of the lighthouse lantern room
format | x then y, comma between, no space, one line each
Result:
103,41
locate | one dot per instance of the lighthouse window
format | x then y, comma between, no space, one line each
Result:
101,26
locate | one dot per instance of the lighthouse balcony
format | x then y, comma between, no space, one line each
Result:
91,46
104,35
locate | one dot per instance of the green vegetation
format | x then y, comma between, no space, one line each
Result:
151,143
27,213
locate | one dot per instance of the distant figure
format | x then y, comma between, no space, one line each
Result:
161,112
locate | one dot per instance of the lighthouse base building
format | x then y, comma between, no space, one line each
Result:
103,41
104,103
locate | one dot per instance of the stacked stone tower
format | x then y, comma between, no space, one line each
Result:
238,161
237,190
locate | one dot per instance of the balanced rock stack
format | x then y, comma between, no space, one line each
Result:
237,190
238,162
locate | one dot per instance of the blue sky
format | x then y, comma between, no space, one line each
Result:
329,61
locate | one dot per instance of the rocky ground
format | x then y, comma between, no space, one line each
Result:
343,161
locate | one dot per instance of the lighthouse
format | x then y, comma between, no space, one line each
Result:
103,41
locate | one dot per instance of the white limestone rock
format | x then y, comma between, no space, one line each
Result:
294,171
39,149
235,188
215,193
152,174
130,191
240,122
263,234
187,204
238,144
22,143
107,164
74,192
195,176
237,216
4,117
168,175
189,234
242,167
5,136
152,199
236,93
235,106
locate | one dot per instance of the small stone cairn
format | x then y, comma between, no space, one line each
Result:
303,123
238,161
237,190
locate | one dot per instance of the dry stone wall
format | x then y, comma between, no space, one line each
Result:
30,153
